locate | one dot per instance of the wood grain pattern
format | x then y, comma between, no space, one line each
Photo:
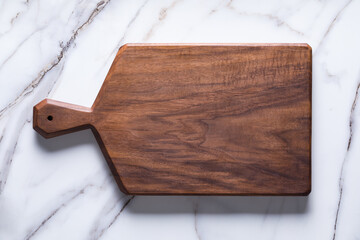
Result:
231,119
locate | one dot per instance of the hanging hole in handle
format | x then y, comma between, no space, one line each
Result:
50,118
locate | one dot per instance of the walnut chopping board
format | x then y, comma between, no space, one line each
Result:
200,119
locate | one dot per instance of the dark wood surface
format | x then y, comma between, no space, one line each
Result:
213,119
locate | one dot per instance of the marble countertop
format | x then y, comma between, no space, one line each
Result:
61,188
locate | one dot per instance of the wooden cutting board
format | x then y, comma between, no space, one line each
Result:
213,119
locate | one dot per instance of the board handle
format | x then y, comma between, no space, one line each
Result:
53,118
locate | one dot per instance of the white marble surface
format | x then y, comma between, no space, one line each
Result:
61,188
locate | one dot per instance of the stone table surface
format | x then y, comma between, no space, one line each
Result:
61,188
